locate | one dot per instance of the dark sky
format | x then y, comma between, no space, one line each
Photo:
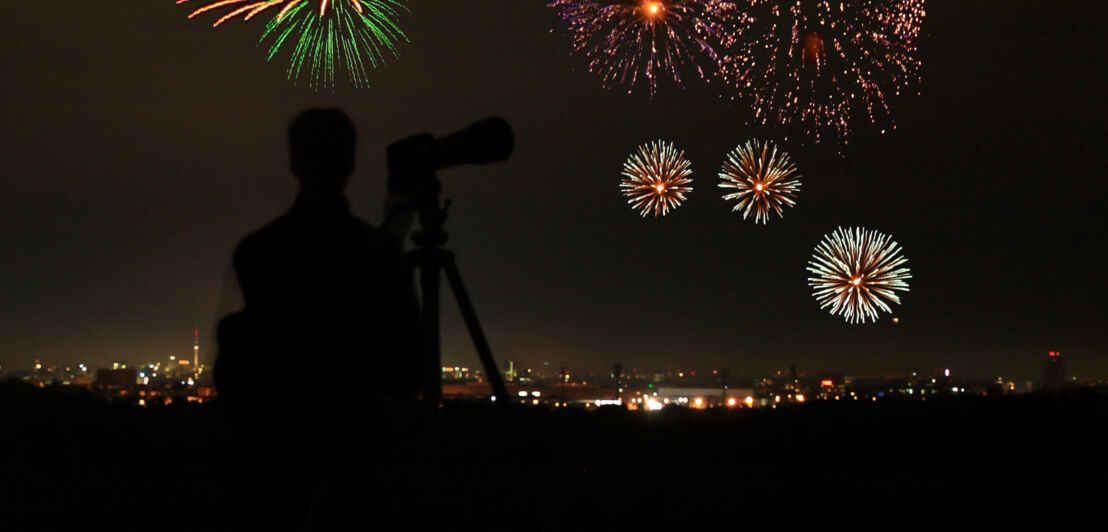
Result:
138,147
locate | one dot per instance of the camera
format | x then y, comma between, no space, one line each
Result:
412,162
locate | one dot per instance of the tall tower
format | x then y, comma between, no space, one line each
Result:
196,349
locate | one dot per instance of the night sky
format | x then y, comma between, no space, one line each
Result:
139,146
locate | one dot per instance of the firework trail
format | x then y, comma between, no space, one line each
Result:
628,41
819,62
856,272
762,177
656,178
355,34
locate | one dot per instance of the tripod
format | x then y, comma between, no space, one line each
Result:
430,258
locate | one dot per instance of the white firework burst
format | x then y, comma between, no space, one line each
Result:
857,272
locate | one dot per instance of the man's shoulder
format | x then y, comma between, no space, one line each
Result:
286,229
273,231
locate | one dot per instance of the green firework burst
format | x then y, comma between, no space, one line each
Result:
343,35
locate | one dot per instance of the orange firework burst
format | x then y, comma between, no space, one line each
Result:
249,8
656,178
856,271
764,179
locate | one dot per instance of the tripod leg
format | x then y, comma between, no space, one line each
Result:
432,371
479,341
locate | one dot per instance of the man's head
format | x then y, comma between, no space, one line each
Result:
322,146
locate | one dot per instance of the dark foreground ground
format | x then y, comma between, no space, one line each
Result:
72,462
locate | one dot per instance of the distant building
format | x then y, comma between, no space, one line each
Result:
1054,372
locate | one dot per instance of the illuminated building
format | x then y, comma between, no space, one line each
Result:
455,373
831,386
709,397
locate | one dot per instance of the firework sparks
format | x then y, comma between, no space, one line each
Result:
763,178
856,272
627,41
356,34
656,178
820,62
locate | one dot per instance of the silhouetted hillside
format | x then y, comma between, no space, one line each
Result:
70,461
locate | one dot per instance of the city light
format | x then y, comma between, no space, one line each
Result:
186,382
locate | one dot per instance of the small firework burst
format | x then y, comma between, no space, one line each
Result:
856,272
357,34
819,62
656,178
627,41
764,179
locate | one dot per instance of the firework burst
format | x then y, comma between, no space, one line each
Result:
355,34
819,62
656,178
628,41
856,272
763,178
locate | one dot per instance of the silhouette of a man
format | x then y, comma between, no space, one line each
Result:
329,323
327,296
